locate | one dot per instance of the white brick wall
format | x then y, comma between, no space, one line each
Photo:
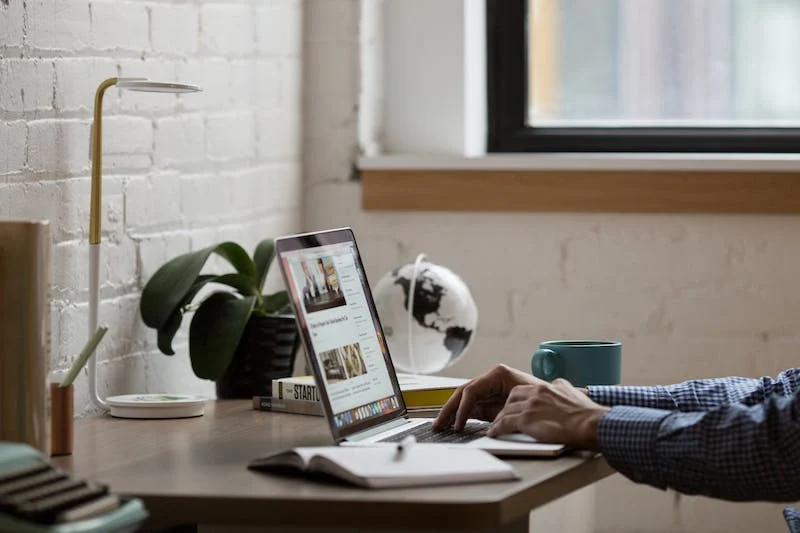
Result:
179,171
689,296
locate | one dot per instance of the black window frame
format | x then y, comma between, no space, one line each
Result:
508,130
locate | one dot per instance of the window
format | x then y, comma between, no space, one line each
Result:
643,75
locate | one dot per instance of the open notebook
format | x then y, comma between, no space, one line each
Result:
383,466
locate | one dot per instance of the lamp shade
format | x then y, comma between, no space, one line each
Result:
145,85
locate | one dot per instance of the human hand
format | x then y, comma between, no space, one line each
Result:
482,397
553,412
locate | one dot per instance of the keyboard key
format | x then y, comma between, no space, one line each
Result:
424,433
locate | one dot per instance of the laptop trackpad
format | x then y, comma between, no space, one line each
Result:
516,437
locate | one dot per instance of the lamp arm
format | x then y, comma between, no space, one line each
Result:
97,162
94,231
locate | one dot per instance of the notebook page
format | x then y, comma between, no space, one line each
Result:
419,464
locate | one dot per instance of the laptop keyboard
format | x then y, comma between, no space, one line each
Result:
424,433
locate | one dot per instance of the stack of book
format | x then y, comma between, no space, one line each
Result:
299,394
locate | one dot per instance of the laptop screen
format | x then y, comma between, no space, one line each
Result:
342,334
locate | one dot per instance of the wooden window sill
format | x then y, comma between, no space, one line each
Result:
729,188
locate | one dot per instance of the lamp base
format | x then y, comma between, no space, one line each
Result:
156,406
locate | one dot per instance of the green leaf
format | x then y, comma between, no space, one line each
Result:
168,287
240,282
167,333
276,302
216,329
263,257
237,257
199,283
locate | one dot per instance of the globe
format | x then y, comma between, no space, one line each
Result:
428,316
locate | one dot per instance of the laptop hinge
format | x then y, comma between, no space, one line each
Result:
371,432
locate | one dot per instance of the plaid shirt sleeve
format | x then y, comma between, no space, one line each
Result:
734,452
700,395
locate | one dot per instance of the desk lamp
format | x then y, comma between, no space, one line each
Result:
136,405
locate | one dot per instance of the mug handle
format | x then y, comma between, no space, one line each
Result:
546,364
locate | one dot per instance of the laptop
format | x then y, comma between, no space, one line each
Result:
350,360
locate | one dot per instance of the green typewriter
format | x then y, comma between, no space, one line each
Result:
37,497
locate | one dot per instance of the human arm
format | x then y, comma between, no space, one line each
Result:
734,452
700,395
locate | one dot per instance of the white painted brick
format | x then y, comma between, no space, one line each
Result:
127,135
26,84
118,268
278,135
263,192
175,29
126,332
151,202
119,26
734,312
58,24
155,250
44,160
279,28
227,29
205,197
154,69
213,76
315,216
37,200
245,189
174,375
255,84
73,220
333,158
13,140
291,79
277,188
58,145
332,20
77,80
203,236
121,376
335,71
71,272
230,136
57,359
179,140
12,21
73,325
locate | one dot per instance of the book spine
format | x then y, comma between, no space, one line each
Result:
300,407
286,390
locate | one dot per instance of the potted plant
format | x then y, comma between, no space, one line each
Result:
238,337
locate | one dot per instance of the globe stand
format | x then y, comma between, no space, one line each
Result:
412,289
427,314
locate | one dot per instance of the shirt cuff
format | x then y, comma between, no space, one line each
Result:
656,397
627,439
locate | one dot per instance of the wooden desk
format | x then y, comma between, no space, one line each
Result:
193,471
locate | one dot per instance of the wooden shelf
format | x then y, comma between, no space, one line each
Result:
637,191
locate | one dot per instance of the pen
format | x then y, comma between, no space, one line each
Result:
403,446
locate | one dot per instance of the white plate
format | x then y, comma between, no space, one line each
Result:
156,405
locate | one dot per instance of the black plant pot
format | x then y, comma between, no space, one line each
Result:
266,351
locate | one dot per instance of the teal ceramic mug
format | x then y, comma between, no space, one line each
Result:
581,362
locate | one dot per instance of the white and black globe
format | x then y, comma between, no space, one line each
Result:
439,328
